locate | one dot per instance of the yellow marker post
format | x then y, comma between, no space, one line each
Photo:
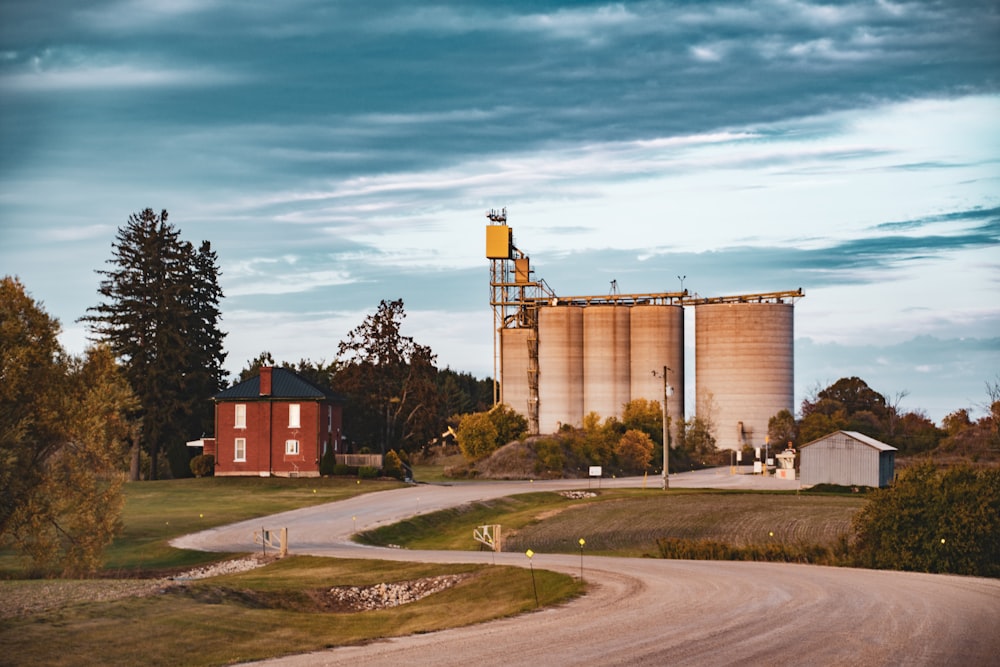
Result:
582,542
529,553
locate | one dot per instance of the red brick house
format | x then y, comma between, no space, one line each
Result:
277,423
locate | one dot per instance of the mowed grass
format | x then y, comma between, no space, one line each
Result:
628,522
156,512
222,620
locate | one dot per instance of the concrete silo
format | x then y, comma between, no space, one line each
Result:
514,361
560,367
657,340
744,368
606,367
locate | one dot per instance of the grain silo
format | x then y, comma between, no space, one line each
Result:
606,368
558,358
744,368
514,368
560,367
656,338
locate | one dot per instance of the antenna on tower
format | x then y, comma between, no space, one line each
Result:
497,216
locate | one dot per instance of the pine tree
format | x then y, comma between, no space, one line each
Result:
160,317
207,375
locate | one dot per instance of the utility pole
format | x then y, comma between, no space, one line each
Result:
666,429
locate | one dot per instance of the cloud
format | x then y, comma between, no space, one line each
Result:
63,234
40,76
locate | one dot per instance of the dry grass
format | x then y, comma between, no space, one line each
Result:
627,522
632,525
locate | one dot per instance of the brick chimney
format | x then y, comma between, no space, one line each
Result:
265,380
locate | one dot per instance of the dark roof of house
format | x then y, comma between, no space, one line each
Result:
285,383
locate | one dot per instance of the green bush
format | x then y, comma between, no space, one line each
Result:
328,464
933,521
343,470
550,459
367,472
203,465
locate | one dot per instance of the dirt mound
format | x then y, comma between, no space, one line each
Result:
515,460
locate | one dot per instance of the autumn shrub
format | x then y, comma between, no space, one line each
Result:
203,465
392,465
634,451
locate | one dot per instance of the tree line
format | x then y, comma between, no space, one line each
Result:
849,404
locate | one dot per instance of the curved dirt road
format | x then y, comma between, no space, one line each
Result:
658,612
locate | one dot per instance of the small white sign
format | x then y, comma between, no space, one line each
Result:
739,456
595,471
757,467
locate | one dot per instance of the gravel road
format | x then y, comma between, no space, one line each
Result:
658,612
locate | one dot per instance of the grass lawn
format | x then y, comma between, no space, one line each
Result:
628,522
156,512
268,612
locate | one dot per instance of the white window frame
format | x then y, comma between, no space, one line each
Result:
292,447
240,449
240,416
294,415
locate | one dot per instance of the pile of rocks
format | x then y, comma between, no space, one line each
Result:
578,495
384,596
223,567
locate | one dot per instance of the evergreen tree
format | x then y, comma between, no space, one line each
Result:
160,317
252,369
206,375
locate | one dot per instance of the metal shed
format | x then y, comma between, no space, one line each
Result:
847,458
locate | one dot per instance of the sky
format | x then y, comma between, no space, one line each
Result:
340,153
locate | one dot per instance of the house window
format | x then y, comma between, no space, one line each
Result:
240,450
240,419
329,418
291,447
293,415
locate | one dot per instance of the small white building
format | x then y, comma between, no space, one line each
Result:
847,458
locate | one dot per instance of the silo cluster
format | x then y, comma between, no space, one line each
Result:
596,358
558,359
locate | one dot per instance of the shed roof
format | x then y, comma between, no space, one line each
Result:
860,437
285,384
